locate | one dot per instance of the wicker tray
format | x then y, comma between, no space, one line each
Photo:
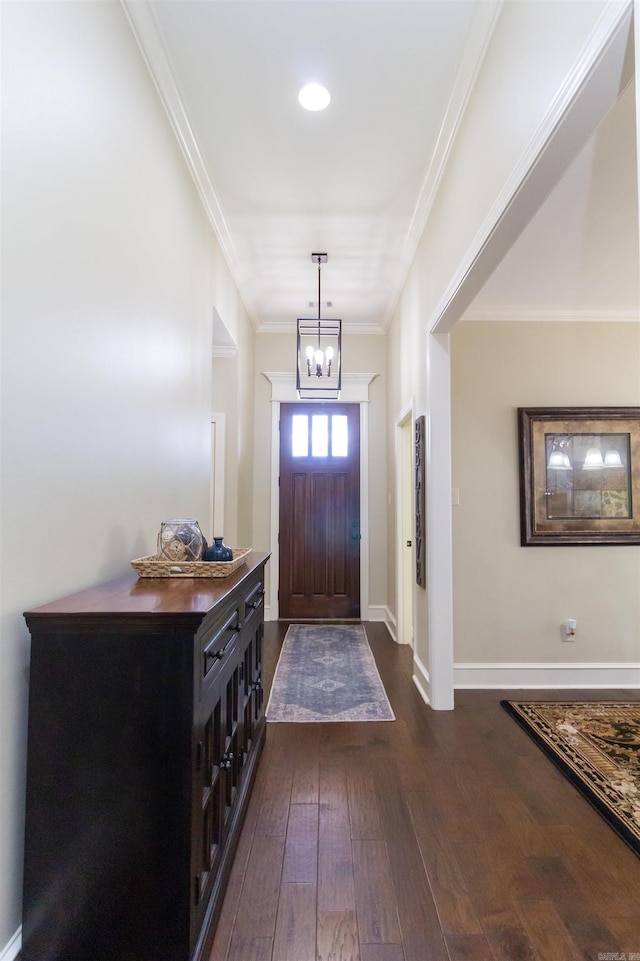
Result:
156,566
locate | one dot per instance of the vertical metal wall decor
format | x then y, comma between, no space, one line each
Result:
421,534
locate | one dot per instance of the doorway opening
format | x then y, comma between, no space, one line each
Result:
319,508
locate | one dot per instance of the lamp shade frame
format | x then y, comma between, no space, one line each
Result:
320,333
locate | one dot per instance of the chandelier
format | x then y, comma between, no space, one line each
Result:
319,362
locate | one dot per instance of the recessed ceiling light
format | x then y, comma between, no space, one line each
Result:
314,96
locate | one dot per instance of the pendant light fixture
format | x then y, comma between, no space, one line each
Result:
319,352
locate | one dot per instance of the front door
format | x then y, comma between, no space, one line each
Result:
319,511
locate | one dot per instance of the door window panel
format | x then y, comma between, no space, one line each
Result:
324,432
299,435
339,436
319,435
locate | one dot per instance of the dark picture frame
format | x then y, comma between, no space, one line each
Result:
579,475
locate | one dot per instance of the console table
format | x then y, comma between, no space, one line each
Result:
146,721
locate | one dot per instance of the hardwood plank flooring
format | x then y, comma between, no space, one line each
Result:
442,836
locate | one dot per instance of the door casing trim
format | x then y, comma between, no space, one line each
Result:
405,617
355,390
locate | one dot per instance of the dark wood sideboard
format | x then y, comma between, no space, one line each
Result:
146,721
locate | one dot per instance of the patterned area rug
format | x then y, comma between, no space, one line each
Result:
326,672
596,744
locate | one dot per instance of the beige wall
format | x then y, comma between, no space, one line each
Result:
509,600
109,277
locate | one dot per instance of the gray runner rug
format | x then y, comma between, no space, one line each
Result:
326,672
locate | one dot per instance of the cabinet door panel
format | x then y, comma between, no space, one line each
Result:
252,687
232,757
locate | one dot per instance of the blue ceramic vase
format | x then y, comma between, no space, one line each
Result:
218,551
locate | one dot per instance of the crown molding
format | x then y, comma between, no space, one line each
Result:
527,314
144,27
482,28
484,22
224,351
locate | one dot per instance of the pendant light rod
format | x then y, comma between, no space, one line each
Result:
319,259
319,350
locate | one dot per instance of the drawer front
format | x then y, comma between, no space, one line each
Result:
217,642
254,598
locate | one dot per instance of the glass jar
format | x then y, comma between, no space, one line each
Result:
181,539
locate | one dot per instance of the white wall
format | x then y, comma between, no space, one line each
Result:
512,111
109,276
233,394
592,264
509,601
406,390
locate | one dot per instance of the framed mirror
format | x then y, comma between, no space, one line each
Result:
579,475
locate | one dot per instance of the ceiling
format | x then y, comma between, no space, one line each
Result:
355,180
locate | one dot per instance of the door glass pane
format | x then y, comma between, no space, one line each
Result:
339,436
319,435
299,435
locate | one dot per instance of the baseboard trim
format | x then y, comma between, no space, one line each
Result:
391,624
380,613
11,950
546,675
420,678
375,612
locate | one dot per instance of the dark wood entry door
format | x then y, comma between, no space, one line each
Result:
319,511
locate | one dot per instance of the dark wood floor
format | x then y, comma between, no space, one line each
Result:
442,836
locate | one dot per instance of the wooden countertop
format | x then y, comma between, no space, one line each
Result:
144,597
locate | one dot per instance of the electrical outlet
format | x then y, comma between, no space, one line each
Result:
568,630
